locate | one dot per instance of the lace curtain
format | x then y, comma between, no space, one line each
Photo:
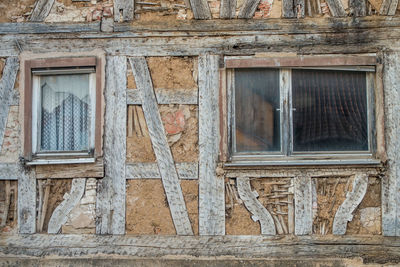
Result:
65,112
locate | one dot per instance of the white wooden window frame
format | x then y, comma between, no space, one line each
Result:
61,157
287,156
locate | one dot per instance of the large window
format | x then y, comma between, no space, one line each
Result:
301,112
61,104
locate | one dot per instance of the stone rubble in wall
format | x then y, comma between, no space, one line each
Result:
82,217
93,11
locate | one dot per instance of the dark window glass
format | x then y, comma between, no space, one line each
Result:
330,110
257,115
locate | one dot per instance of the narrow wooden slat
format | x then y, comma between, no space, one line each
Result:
161,148
166,96
248,9
359,7
288,9
211,187
200,9
345,212
124,10
186,170
391,181
41,10
110,207
228,9
7,194
336,7
9,171
7,92
26,202
388,7
258,211
60,214
303,205
34,27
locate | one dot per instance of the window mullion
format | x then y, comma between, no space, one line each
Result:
285,85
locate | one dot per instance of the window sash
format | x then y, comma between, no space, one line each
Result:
37,116
286,133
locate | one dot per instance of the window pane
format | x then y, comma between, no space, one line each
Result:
64,112
257,115
330,110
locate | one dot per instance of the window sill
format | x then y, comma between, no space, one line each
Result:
251,163
60,161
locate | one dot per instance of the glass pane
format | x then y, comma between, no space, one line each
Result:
64,112
330,110
257,114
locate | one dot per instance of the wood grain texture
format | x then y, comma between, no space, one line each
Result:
9,171
391,181
345,212
166,96
36,27
367,247
388,7
124,10
41,10
358,7
227,9
186,170
71,199
161,148
95,170
7,92
303,218
211,187
26,202
248,9
258,211
288,9
200,9
110,202
336,7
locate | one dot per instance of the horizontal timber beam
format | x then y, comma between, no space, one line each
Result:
185,170
369,248
165,96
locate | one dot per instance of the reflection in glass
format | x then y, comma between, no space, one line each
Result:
330,110
257,115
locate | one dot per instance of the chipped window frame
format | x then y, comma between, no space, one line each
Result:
287,156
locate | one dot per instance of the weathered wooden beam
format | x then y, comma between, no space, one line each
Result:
94,170
35,27
60,214
124,10
26,202
358,7
186,170
9,171
110,203
248,9
6,92
336,7
370,248
391,181
161,148
288,9
200,9
345,212
388,7
41,10
166,96
211,187
258,211
303,218
228,9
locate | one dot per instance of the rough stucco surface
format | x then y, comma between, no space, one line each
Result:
11,143
147,211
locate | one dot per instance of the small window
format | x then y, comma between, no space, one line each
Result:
63,111
300,112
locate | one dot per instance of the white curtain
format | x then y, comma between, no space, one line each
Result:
65,112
